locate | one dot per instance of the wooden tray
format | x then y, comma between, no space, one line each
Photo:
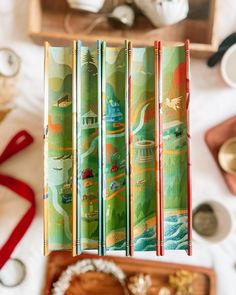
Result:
98,283
46,23
214,139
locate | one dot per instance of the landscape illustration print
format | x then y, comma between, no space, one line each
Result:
104,128
58,149
175,149
87,145
143,170
115,149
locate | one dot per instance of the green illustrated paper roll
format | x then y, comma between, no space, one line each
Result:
58,148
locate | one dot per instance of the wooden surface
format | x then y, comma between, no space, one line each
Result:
102,284
46,23
214,138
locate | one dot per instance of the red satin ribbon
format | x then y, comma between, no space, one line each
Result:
20,141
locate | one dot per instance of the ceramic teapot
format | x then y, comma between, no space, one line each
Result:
163,12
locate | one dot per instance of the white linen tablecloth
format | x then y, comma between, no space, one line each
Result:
211,102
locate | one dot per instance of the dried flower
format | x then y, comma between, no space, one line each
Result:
182,282
139,284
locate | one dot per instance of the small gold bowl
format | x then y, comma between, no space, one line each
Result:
227,156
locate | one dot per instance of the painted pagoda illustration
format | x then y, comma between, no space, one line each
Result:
113,107
89,120
113,112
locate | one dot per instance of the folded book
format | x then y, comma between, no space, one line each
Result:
117,148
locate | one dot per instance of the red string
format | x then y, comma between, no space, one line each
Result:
20,141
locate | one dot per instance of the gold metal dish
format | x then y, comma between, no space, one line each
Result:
227,156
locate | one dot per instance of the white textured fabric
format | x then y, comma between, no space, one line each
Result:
211,102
